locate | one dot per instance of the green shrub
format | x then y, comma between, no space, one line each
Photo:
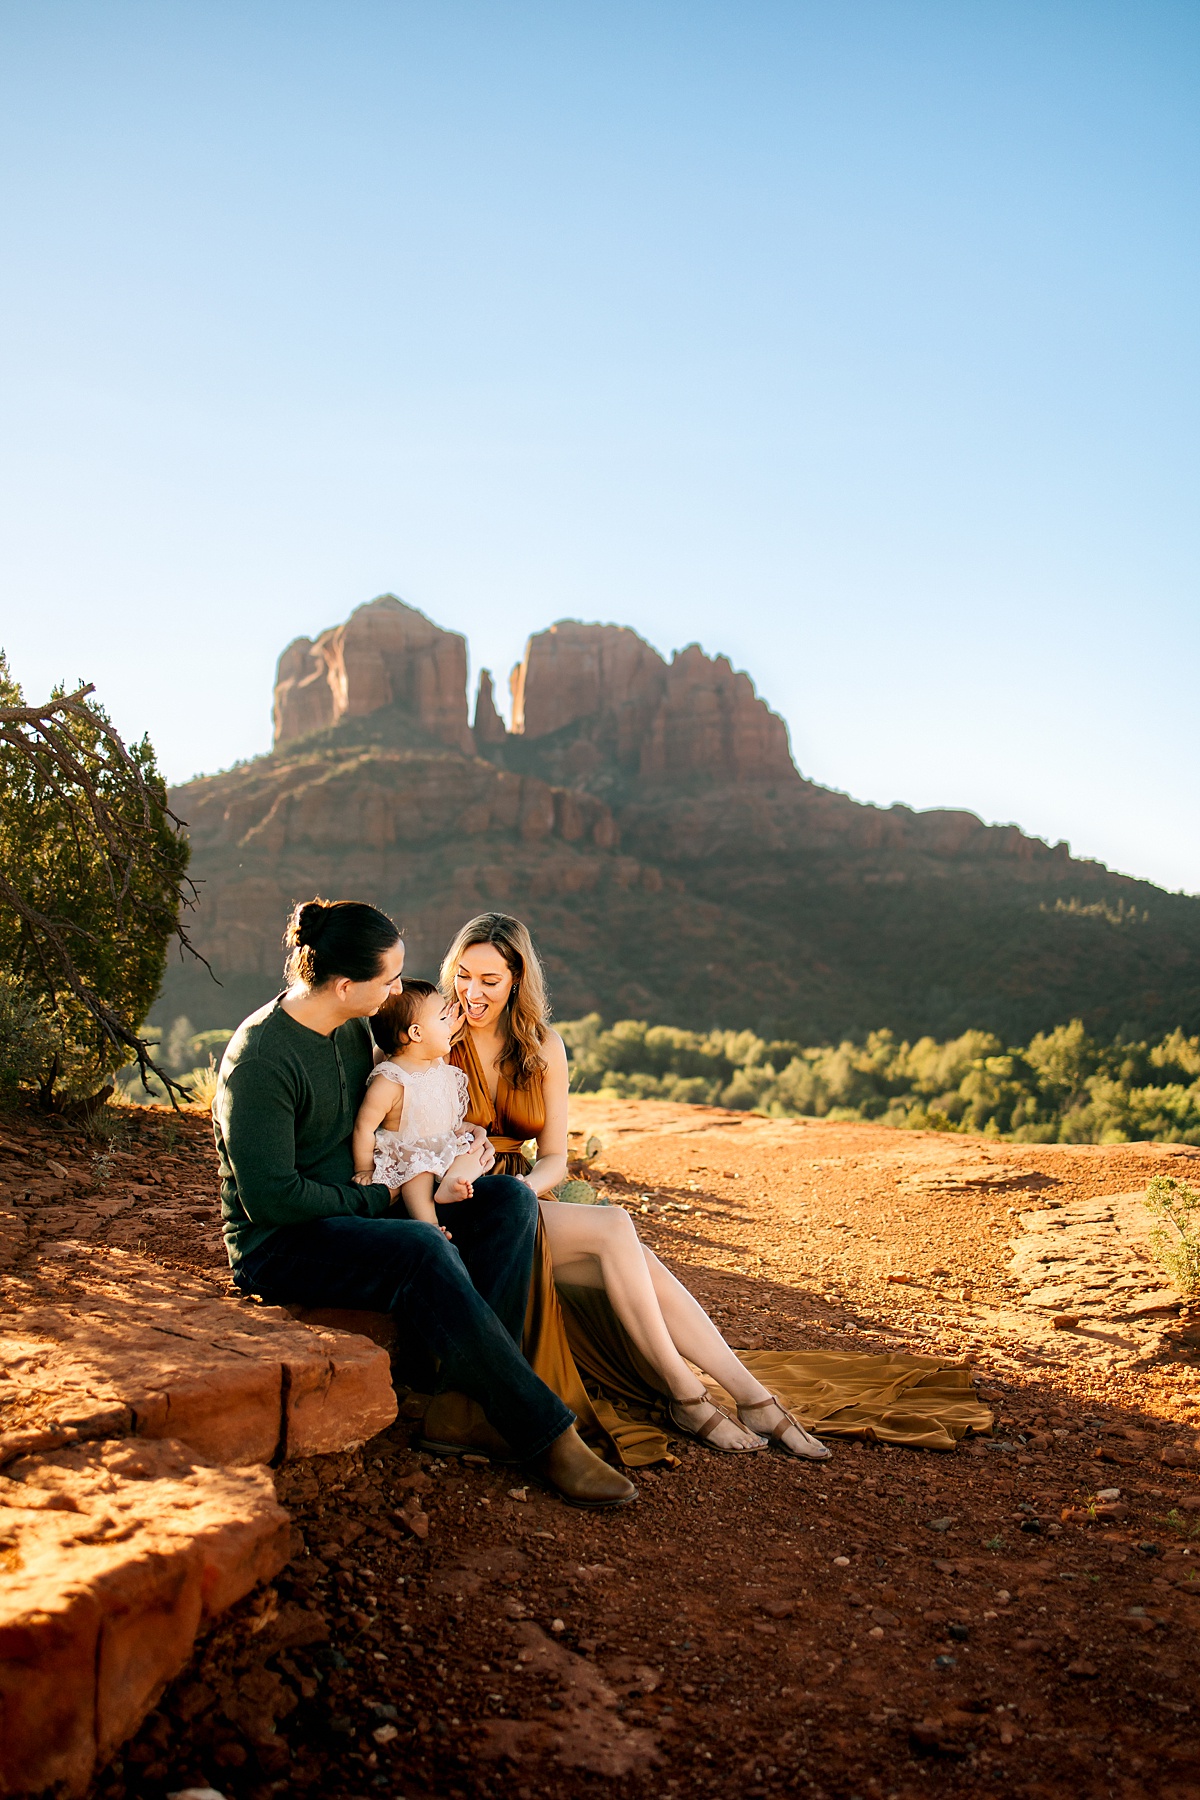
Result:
1176,1242
37,1049
23,1036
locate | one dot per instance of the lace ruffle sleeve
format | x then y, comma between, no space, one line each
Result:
389,1071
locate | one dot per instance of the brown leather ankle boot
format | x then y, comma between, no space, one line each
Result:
455,1426
581,1477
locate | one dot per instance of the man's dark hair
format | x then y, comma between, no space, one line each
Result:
331,939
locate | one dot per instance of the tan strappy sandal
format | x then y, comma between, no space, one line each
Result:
777,1433
703,1432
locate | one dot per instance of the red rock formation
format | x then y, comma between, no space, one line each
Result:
696,717
648,821
120,1539
489,727
116,1558
385,653
604,674
711,722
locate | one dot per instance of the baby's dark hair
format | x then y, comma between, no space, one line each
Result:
391,1025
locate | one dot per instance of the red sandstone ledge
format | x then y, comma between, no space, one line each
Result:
136,1408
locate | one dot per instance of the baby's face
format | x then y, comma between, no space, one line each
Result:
438,1019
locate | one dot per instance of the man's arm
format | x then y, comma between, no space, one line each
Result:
258,1124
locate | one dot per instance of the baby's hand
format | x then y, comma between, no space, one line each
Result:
363,1178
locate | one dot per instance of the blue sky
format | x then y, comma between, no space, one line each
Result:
858,341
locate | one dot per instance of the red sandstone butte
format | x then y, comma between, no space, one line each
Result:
386,652
625,777
114,1556
693,716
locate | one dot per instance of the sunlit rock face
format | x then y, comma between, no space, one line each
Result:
385,654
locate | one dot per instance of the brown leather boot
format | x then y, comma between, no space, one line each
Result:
581,1477
455,1426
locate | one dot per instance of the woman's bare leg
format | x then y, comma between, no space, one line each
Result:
696,1337
594,1246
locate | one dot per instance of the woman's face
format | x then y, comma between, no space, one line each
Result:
483,982
362,998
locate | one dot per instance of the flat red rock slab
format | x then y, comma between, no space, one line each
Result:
114,1556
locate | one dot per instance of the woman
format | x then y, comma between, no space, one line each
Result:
516,1067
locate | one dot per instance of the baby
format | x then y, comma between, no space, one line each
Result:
410,1131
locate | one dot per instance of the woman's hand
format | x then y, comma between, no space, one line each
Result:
481,1148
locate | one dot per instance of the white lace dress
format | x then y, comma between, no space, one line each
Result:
431,1130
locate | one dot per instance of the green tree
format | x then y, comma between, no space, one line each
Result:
93,876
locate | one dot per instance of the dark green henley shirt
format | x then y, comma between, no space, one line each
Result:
283,1116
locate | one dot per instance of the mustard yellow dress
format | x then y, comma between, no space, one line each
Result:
573,1339
576,1343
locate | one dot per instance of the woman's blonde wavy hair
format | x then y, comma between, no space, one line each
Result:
528,1010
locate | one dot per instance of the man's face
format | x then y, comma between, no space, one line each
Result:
362,998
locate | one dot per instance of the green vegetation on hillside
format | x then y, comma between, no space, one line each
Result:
1063,1087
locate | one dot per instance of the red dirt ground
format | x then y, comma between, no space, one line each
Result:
754,1626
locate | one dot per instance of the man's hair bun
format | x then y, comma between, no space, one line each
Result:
309,921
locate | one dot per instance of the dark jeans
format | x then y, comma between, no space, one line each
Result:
464,1303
